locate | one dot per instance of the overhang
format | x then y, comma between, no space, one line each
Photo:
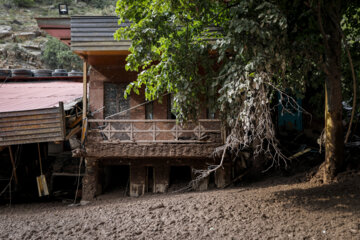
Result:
56,27
94,35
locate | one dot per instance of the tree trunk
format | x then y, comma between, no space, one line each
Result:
334,142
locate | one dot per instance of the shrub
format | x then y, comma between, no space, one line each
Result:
57,55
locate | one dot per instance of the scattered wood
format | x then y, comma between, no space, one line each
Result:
300,153
75,122
73,132
236,179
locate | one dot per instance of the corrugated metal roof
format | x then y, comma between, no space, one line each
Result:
96,33
37,95
42,125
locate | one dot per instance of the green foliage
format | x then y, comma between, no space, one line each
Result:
172,40
100,3
57,55
18,3
243,49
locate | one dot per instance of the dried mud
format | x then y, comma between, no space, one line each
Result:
278,208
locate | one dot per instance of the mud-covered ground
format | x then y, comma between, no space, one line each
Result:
277,208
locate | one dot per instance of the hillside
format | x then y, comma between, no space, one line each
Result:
22,43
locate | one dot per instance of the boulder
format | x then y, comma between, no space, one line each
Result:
5,31
24,36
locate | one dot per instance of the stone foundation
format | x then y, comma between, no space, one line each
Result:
141,179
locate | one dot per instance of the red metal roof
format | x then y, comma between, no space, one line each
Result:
56,27
21,96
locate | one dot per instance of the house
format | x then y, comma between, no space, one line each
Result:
34,112
132,140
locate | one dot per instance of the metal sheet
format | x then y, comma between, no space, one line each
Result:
96,33
21,96
42,125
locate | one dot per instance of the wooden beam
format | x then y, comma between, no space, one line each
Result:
13,165
84,110
73,132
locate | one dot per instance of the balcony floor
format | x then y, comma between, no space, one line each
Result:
155,150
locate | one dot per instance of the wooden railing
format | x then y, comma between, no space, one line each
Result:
156,131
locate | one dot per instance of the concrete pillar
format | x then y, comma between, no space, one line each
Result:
162,178
91,185
137,180
223,176
200,185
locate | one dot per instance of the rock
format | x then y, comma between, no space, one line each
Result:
24,36
157,206
30,46
5,31
16,22
83,202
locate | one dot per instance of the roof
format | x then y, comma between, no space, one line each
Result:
56,27
22,96
96,33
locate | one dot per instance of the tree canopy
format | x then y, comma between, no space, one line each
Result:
244,50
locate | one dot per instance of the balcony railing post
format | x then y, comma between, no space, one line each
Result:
154,131
132,131
199,131
109,130
176,131
219,132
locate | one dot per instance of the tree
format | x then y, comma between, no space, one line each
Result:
57,55
244,49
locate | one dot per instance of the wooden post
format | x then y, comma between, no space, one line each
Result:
62,114
84,115
84,89
13,165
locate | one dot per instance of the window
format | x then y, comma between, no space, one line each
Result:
170,110
149,110
210,110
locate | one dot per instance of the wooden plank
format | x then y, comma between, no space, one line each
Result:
19,133
74,123
30,112
30,118
56,135
62,119
32,140
29,126
73,132
40,122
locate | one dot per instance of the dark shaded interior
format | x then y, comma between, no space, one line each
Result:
115,177
180,175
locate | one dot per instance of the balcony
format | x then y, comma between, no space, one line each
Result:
205,131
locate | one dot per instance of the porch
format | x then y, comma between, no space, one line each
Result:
143,131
